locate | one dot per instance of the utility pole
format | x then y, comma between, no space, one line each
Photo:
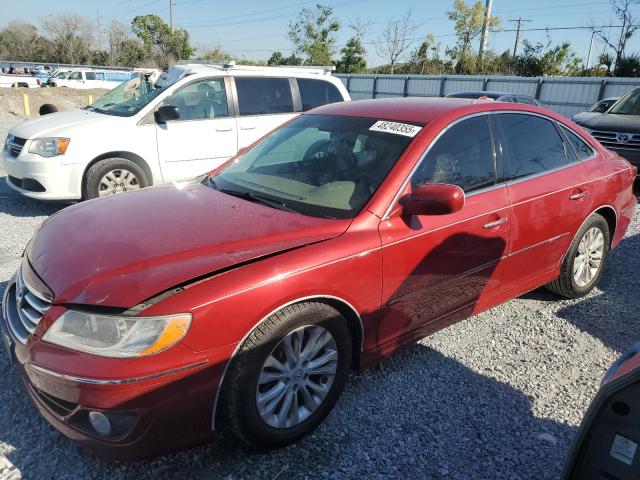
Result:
99,36
171,14
484,38
520,21
590,47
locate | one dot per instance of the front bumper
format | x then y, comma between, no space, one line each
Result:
60,181
151,413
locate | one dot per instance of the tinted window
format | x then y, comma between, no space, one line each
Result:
532,144
581,148
262,95
99,76
90,75
314,93
75,76
201,100
463,156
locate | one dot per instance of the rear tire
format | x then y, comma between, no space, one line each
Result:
125,175
584,262
246,414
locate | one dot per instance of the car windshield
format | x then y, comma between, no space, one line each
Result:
628,105
128,98
318,165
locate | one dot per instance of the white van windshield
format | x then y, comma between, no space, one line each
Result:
128,98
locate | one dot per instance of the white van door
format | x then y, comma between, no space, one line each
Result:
203,137
264,103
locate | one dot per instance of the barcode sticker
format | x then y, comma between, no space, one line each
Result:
405,129
623,449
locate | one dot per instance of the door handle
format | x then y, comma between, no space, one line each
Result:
228,129
578,196
496,223
252,127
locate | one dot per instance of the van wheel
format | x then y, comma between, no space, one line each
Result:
287,376
111,176
583,265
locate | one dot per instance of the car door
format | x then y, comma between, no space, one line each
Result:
203,137
263,103
441,268
549,195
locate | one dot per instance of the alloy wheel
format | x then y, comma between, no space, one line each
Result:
116,181
297,376
588,259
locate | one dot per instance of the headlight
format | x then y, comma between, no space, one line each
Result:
117,336
49,147
7,142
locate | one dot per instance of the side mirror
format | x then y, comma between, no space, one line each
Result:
434,199
166,113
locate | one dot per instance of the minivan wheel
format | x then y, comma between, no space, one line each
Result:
287,375
583,265
111,176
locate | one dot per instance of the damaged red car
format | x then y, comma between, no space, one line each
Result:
144,322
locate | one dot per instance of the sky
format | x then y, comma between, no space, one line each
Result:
255,28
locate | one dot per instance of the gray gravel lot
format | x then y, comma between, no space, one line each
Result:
497,396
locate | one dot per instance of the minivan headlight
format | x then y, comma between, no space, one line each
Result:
117,336
49,147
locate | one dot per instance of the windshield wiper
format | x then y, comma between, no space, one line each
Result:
257,198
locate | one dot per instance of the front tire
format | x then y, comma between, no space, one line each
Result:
287,376
584,263
111,176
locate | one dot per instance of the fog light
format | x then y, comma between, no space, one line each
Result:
100,423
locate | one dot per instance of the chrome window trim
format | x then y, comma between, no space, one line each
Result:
241,342
594,153
98,381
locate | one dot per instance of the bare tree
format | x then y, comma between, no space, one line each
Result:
72,35
395,39
623,10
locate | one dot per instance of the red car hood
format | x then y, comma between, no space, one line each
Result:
121,250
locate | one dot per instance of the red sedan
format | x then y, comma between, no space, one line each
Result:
242,301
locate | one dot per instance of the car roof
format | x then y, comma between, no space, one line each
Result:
418,109
491,94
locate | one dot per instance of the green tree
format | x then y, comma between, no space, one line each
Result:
426,58
539,59
72,37
162,44
628,66
352,60
313,34
468,24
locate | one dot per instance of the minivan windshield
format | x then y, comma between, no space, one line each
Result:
319,165
628,105
128,98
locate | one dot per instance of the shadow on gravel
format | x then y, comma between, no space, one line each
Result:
611,313
16,205
418,414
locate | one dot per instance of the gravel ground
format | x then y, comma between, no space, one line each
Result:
497,396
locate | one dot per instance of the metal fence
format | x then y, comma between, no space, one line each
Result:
565,95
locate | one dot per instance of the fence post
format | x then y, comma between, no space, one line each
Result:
349,84
442,80
603,85
484,84
373,91
405,91
536,95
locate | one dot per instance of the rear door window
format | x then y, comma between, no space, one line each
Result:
531,145
314,93
201,100
90,75
463,156
263,95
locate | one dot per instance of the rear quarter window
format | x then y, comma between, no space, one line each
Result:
580,147
314,93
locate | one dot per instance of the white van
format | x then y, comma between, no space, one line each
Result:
85,79
140,133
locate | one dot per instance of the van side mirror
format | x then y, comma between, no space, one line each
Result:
166,113
433,199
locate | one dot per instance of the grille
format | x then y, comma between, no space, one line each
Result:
610,140
25,307
14,145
